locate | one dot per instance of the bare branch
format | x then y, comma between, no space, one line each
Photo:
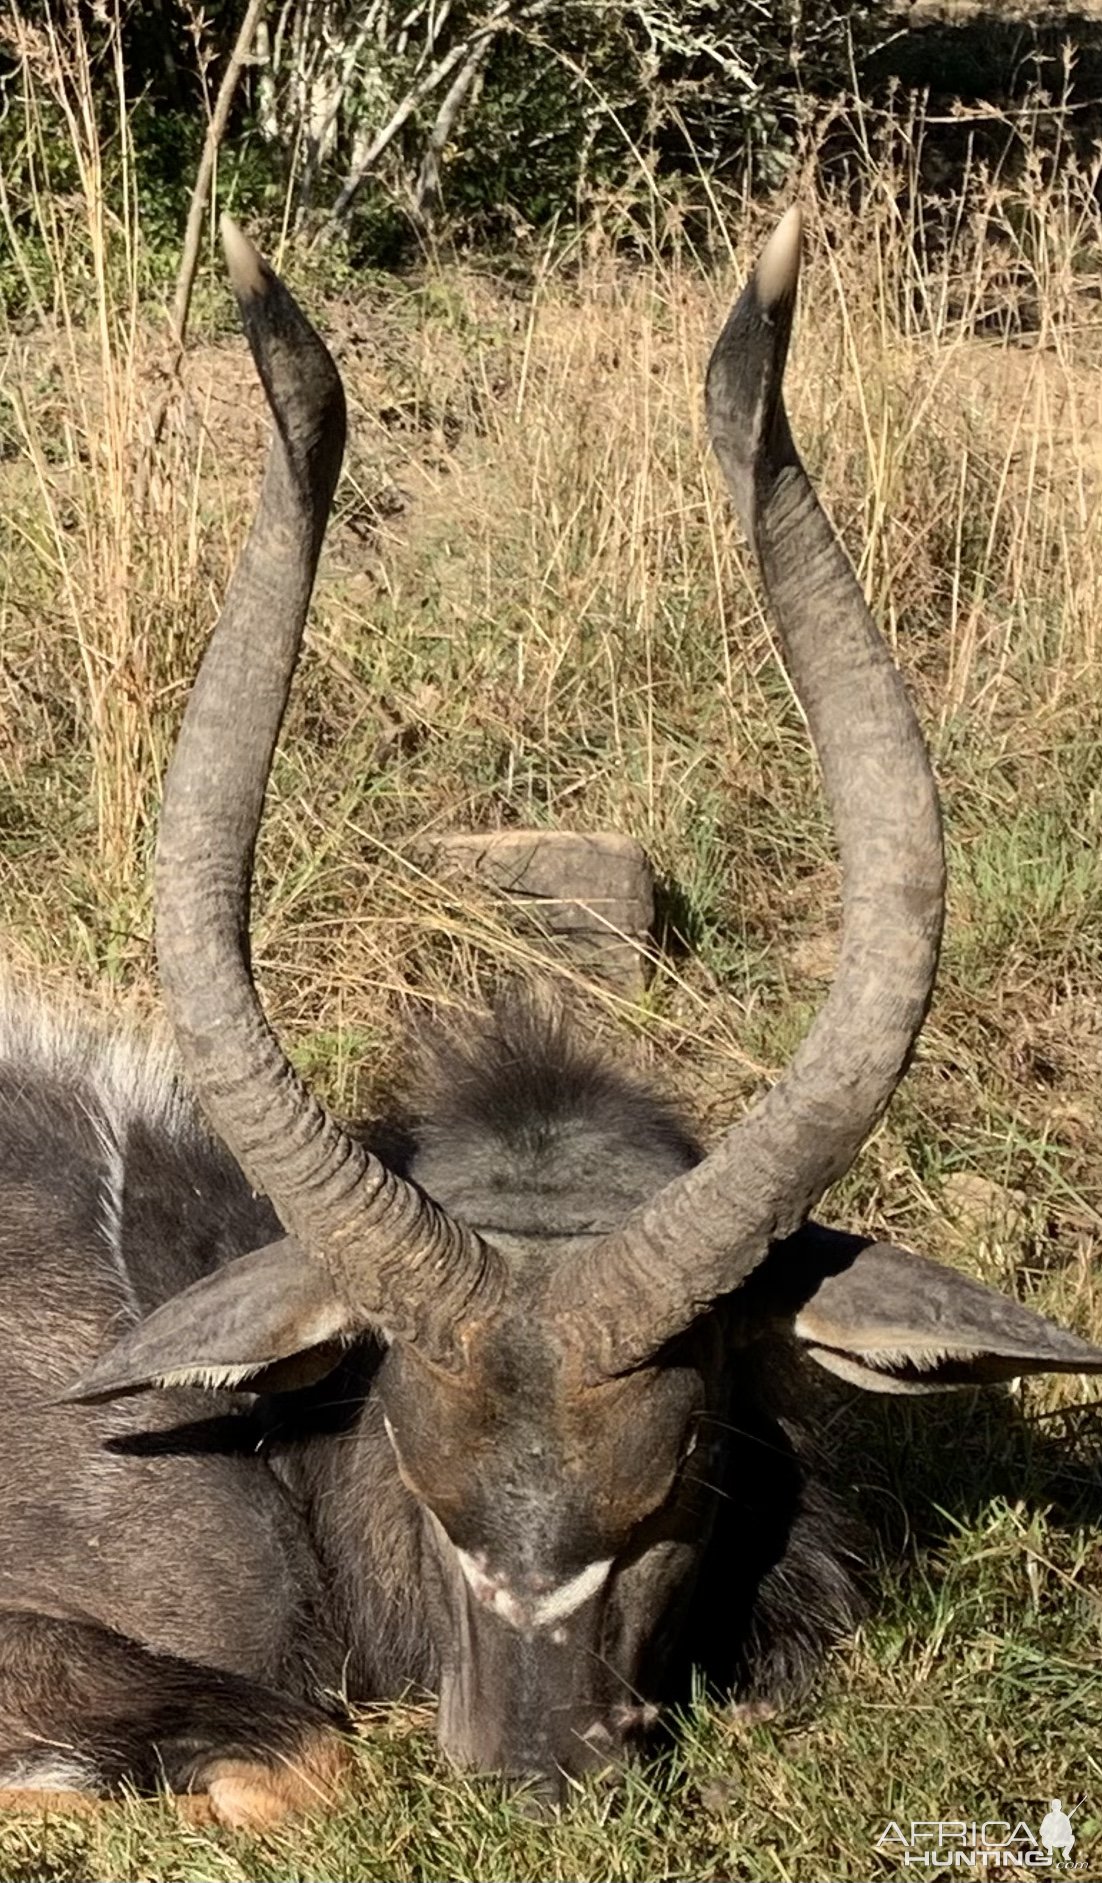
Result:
427,188
189,259
423,88
216,130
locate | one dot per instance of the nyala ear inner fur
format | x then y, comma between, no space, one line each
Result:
268,1321
892,1321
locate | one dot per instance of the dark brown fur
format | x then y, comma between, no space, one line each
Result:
185,1581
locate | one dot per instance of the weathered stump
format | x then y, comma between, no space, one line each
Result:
584,897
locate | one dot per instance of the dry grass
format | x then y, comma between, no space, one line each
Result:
534,608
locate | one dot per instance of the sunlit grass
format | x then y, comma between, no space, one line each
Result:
534,608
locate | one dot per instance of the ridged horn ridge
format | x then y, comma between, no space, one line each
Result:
707,1230
399,1261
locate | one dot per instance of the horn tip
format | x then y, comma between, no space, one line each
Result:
244,262
778,268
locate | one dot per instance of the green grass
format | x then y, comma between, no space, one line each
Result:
534,609
974,1694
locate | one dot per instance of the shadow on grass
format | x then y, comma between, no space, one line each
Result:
921,1470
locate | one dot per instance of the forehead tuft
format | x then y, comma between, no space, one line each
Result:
524,1129
524,1068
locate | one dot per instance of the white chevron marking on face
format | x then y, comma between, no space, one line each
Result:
561,1602
541,1611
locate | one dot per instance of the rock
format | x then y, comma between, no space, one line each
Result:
979,1206
586,897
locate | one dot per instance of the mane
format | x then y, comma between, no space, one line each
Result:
53,1041
98,1116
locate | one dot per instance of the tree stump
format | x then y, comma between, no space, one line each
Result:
583,897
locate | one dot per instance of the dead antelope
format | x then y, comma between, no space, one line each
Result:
517,1408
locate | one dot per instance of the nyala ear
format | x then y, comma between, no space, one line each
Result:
895,1322
269,1321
